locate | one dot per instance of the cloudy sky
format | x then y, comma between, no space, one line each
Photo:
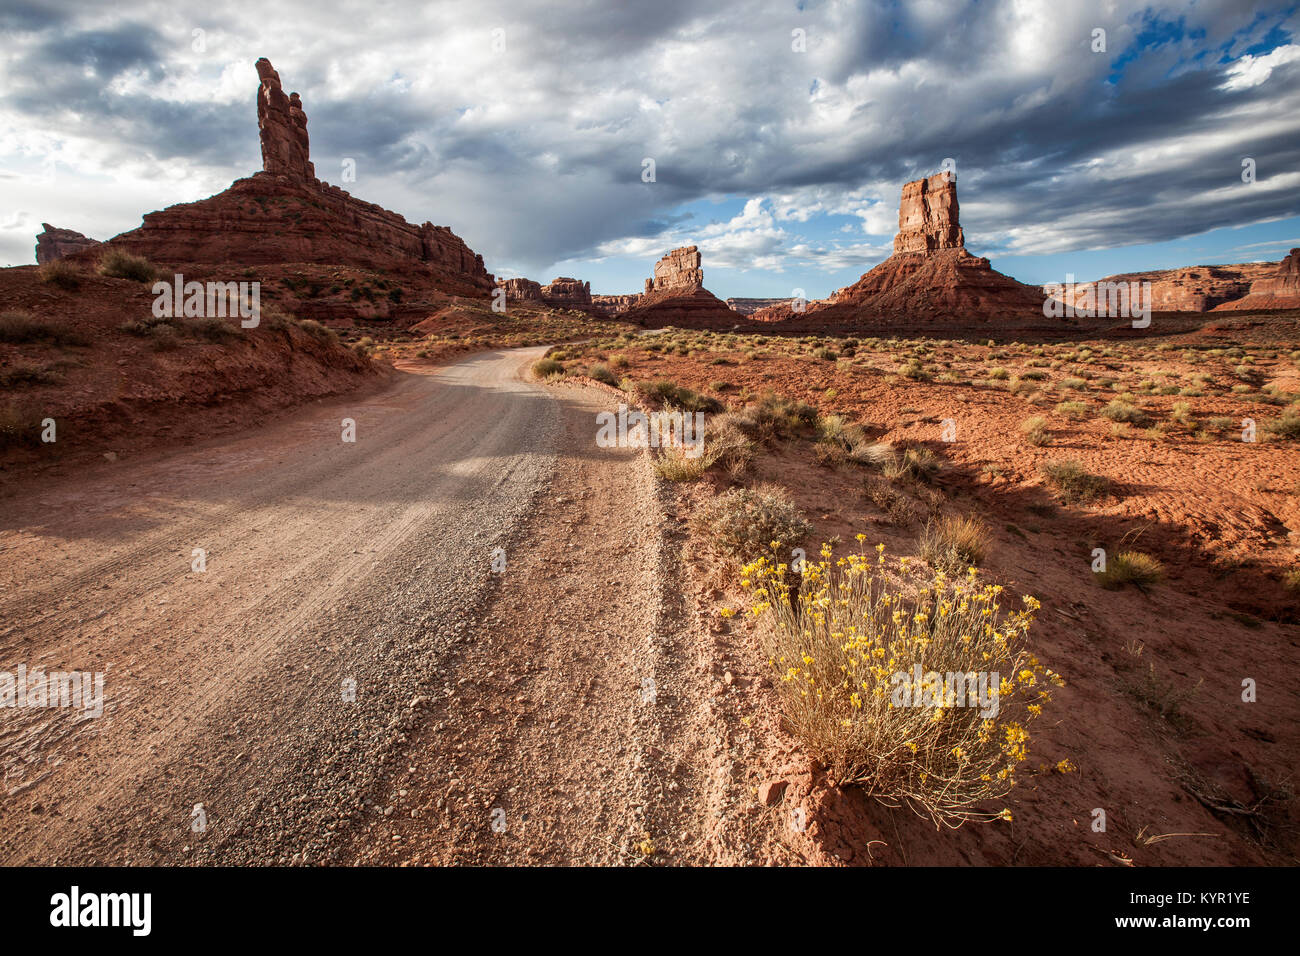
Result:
780,132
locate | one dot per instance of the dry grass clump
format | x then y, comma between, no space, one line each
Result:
914,464
601,373
547,368
1074,410
898,509
61,273
1073,482
1118,410
1036,431
1291,582
118,264
839,441
1288,426
775,416
19,327
1130,567
670,394
727,443
743,522
954,543
919,692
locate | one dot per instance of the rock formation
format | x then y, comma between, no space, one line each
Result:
1191,289
678,271
283,128
566,293
1280,289
676,296
285,214
928,216
56,243
521,290
750,306
930,281
615,304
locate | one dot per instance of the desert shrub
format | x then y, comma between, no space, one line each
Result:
1291,582
954,542
825,354
728,444
20,424
210,328
999,374
1288,426
1074,384
873,677
119,264
547,367
743,522
674,464
664,392
1073,482
1130,567
899,511
61,273
26,374
1075,410
601,373
914,464
148,325
1118,410
775,416
914,370
322,333
1036,431
19,327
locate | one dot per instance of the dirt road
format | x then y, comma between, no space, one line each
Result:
541,713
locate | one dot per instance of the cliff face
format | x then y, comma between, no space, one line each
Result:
566,293
1192,289
285,214
1278,289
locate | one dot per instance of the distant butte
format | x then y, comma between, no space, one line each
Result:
284,214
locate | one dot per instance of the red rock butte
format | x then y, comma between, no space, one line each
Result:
284,214
930,281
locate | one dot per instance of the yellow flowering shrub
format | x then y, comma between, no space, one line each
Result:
921,691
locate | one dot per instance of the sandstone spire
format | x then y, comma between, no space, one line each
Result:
283,128
927,216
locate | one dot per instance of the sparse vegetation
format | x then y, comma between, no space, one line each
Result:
939,757
118,264
61,273
547,368
1130,567
18,327
1036,431
1074,483
954,542
743,522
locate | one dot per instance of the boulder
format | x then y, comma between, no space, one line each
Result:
56,243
